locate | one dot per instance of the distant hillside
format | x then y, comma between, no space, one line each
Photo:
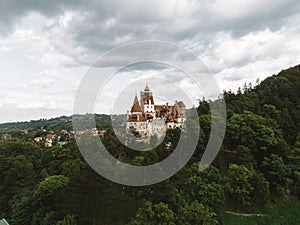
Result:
55,124
283,91
51,124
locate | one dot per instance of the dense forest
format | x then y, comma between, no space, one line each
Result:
255,178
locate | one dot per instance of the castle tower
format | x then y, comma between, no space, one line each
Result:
136,121
136,108
147,103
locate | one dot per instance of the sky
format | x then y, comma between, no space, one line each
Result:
47,47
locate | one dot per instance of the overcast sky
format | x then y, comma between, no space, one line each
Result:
46,47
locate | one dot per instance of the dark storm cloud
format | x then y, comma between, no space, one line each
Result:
130,22
195,24
136,20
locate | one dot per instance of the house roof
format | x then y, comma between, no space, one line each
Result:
163,107
170,118
158,107
3,222
136,105
136,118
50,136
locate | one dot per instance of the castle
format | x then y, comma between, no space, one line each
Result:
147,119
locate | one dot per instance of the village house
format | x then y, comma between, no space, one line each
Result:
7,136
24,131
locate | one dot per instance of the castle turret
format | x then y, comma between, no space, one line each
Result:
136,108
147,88
147,103
136,121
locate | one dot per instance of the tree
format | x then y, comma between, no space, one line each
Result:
204,186
297,142
238,184
68,220
196,213
51,188
293,162
246,185
48,198
245,156
17,173
278,174
22,208
151,214
253,131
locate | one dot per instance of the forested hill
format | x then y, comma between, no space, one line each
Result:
255,178
277,97
55,124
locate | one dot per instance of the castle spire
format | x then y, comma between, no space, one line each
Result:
147,87
136,105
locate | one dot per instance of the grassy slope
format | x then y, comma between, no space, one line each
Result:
284,214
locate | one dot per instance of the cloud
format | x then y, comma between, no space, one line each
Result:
54,42
93,27
28,113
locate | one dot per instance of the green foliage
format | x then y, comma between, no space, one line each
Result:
196,213
258,164
238,184
41,217
253,131
206,187
51,188
246,185
151,214
278,173
22,209
68,220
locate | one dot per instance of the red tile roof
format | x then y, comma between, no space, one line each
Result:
158,107
136,118
147,98
136,105
170,118
50,136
